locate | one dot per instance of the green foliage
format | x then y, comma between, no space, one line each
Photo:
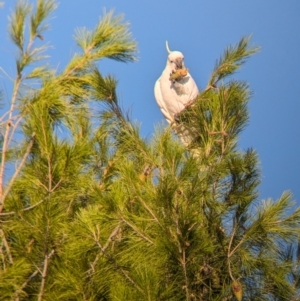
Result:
231,60
92,211
110,39
43,9
17,23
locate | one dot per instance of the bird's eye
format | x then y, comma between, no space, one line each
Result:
171,61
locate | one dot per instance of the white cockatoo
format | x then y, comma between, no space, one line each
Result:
173,95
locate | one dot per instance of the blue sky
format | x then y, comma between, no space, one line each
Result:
201,29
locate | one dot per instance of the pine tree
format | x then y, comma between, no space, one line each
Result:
92,211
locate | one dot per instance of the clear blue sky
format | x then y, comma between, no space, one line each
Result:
201,29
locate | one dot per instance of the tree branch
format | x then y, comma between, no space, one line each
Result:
7,136
137,231
25,284
25,209
235,248
119,268
30,277
44,275
14,126
186,287
150,211
110,238
11,182
5,243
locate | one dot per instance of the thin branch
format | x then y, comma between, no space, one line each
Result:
137,231
231,252
11,182
49,175
108,257
93,264
3,116
5,243
236,247
110,238
44,275
25,284
150,211
56,185
120,269
14,127
7,136
30,43
230,242
229,270
31,277
186,287
5,73
44,186
25,209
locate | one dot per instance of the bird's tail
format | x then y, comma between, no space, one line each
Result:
187,138
183,133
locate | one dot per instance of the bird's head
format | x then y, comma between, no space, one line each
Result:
175,59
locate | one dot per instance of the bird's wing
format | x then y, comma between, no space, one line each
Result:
194,91
172,101
160,101
186,88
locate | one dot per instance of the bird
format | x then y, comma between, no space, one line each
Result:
174,90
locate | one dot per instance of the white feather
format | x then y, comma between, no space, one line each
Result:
173,96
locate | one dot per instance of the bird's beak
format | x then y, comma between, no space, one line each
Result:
179,64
